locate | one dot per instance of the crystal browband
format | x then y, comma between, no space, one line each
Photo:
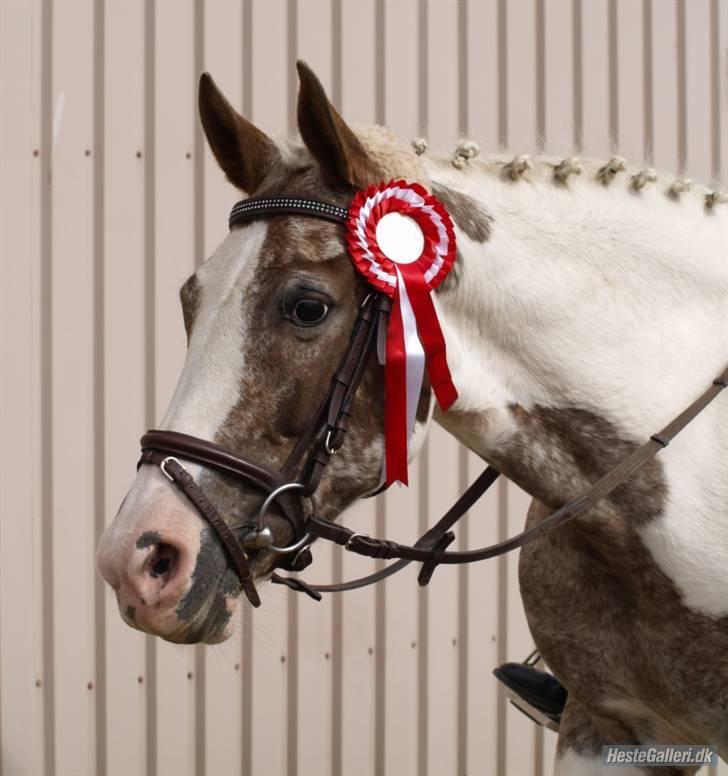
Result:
248,209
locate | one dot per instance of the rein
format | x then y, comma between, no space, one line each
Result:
299,477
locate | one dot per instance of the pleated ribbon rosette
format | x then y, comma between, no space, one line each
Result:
401,239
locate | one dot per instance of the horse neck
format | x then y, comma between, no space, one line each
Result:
584,301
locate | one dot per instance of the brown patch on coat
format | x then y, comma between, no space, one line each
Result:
467,213
289,369
609,623
189,296
585,735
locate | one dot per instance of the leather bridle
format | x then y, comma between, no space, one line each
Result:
297,480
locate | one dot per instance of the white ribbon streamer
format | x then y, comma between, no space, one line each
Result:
414,357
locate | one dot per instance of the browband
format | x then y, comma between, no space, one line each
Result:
249,209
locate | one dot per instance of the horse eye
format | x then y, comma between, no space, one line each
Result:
309,312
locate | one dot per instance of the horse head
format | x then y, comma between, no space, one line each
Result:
269,317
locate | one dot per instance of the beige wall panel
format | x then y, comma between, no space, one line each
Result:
223,59
21,711
358,52
357,652
596,139
482,74
721,72
222,721
124,337
558,81
401,692
630,80
664,87
401,52
174,262
271,65
697,91
73,386
313,40
442,668
521,732
483,637
269,691
521,84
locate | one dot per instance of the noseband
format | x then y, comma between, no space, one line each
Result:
296,482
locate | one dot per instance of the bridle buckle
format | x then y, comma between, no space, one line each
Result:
163,467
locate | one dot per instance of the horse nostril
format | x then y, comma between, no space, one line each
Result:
163,560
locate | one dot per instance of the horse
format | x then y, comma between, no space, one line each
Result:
587,307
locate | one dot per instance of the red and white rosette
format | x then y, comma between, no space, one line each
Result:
401,239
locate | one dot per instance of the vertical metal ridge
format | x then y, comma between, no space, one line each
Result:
246,662
538,751
198,140
423,652
292,46
198,172
540,30
423,100
199,248
337,565
380,649
424,456
463,573
292,597
99,419
380,590
246,659
577,42
247,37
463,70
463,626
715,128
292,686
648,82
380,81
613,75
502,74
682,116
502,721
46,372
150,410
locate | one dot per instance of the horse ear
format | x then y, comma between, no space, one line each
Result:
343,160
241,149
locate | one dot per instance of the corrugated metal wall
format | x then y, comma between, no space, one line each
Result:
109,200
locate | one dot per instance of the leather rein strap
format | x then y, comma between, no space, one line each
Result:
324,436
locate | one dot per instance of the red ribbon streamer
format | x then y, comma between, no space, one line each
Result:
395,390
430,334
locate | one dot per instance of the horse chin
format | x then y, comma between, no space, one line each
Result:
211,629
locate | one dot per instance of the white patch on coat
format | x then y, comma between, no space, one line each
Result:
613,301
690,541
209,386
208,389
